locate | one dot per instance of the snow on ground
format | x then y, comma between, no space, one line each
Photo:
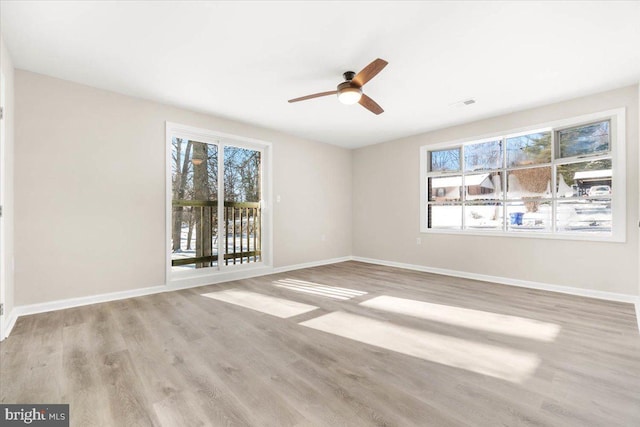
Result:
573,215
240,246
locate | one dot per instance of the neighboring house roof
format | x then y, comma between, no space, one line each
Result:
456,181
593,174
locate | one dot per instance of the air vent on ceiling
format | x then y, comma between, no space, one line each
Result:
463,103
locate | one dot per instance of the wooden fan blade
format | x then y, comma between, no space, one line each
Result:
315,95
369,72
370,104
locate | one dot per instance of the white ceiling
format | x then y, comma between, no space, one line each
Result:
243,60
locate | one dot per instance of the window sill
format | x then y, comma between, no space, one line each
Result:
539,235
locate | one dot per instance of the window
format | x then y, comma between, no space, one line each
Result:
216,194
564,180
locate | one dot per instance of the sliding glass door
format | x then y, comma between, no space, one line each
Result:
242,214
216,203
194,233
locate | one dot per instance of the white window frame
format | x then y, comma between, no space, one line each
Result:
618,159
220,139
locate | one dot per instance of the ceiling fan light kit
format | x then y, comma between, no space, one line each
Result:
350,91
349,94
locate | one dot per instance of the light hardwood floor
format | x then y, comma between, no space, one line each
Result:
183,359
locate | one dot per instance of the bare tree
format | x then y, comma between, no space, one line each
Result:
179,188
202,193
445,160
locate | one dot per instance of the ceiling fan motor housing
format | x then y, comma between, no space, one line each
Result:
348,85
348,75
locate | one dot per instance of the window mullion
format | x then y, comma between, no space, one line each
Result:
222,223
503,182
463,190
554,180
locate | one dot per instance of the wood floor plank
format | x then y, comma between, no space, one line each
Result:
89,407
180,410
179,358
128,403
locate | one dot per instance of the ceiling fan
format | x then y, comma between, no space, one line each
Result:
350,91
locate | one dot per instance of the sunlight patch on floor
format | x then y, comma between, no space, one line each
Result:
467,318
318,289
263,303
499,362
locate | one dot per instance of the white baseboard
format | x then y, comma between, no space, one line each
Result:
590,293
184,283
9,322
611,296
194,282
25,310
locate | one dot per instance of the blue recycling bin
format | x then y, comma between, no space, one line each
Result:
516,218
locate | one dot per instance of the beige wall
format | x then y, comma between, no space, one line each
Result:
6,65
386,180
89,197
90,190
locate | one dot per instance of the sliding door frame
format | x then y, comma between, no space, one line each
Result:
3,264
221,140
